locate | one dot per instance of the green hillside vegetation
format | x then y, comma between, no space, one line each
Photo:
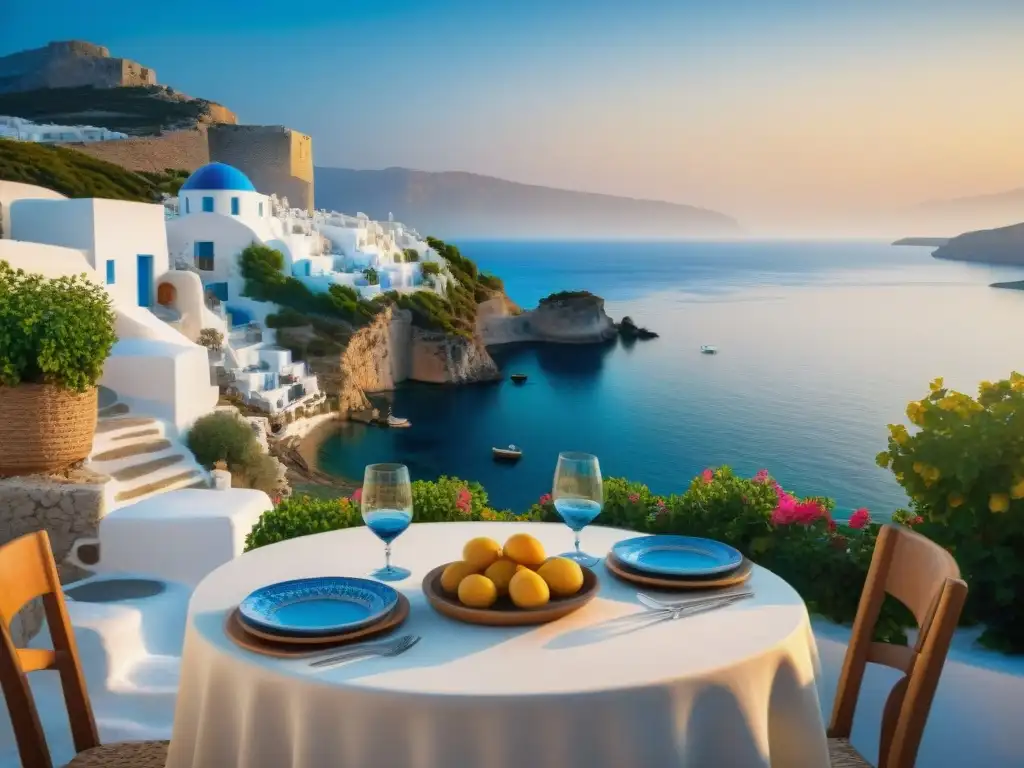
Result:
453,314
142,110
75,174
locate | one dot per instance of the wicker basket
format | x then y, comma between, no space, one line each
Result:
44,428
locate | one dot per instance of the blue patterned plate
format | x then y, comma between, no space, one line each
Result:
320,606
677,555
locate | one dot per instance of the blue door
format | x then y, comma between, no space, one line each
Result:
145,271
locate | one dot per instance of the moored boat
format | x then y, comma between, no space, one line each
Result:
707,349
507,454
396,423
518,378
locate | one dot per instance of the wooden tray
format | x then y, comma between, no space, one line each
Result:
252,639
624,572
503,613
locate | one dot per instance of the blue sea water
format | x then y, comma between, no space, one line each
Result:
821,344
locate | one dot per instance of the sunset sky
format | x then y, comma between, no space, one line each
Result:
779,112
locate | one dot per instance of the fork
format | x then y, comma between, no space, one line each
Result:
386,650
663,605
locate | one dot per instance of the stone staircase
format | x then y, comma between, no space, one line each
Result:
138,455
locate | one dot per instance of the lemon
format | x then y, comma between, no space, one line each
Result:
525,550
481,552
477,591
501,573
454,574
562,575
528,590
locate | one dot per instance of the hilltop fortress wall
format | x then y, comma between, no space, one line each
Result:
70,64
278,160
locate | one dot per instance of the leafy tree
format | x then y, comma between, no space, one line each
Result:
371,276
222,436
57,331
411,255
430,268
211,338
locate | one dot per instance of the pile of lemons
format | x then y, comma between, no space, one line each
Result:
520,569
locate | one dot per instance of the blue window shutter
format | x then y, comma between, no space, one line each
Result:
110,272
207,205
234,206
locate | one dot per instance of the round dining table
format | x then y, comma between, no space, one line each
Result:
612,685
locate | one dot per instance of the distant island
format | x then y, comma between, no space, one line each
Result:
456,204
1004,245
1013,285
933,242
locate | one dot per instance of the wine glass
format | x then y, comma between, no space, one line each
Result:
578,496
386,504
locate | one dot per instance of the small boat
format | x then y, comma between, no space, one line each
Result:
707,349
396,423
518,378
507,454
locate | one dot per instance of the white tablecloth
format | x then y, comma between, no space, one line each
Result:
731,688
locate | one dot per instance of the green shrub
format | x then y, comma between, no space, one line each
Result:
287,318
430,268
56,331
963,470
411,255
371,276
563,295
222,436
302,516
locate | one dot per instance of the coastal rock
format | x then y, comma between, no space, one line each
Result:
629,330
989,246
570,318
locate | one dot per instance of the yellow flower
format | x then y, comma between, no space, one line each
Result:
955,500
1015,377
936,384
920,467
899,433
883,459
985,386
915,412
933,474
1017,490
1018,386
998,502
899,477
948,403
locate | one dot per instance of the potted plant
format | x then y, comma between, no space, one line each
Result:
54,338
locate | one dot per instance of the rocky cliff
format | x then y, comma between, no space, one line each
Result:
568,319
990,246
388,351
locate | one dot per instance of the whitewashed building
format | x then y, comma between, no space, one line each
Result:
20,129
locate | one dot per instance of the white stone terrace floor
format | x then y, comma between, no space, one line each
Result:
131,652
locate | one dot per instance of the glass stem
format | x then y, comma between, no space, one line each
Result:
387,557
577,536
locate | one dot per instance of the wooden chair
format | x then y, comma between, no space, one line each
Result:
27,571
925,578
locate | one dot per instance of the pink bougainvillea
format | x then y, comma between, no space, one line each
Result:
545,499
707,475
633,498
860,518
761,476
357,495
790,510
464,501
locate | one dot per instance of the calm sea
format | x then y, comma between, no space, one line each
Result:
820,346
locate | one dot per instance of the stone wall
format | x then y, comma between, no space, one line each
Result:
66,511
185,150
70,64
278,160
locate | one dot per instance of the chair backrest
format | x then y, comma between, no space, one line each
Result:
926,579
27,571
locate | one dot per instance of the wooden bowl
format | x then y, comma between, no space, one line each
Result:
504,613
